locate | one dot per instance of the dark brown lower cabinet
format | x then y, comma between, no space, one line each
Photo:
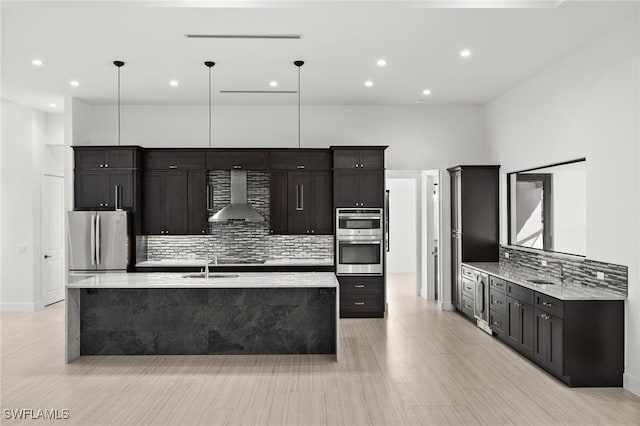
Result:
548,348
580,342
362,296
520,326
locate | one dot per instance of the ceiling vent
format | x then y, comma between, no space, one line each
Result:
248,36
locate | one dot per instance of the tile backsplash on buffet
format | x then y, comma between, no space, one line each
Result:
580,270
237,241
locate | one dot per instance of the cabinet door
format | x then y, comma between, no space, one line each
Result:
548,348
514,322
278,203
321,203
197,205
88,158
527,320
154,207
176,203
372,159
125,182
346,188
371,188
456,279
247,160
114,158
346,159
300,159
90,190
300,204
173,159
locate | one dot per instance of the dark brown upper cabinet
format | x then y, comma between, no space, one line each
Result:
175,202
106,157
358,188
309,203
223,159
174,159
300,159
278,199
358,158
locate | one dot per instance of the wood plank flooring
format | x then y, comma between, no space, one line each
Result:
418,366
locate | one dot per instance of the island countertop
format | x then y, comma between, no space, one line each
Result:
226,280
561,291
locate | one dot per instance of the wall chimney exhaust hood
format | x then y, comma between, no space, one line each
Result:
238,209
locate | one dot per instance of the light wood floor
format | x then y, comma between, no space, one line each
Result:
418,366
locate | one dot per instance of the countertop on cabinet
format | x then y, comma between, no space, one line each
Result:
178,280
562,291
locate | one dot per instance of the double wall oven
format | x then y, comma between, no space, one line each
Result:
359,241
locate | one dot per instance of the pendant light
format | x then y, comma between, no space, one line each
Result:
118,188
299,64
209,65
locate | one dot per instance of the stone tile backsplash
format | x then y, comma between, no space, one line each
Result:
238,241
579,270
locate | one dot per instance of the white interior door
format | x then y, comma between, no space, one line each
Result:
53,239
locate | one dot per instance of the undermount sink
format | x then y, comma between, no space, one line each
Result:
202,275
545,282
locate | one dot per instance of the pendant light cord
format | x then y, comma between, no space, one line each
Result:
299,107
209,107
118,188
118,106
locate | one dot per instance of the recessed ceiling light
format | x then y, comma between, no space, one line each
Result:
426,92
381,62
465,53
173,83
74,83
273,84
37,62
368,83
52,105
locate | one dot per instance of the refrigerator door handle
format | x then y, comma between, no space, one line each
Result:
93,239
97,240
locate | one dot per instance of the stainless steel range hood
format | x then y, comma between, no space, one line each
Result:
238,209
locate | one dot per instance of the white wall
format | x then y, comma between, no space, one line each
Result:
586,105
419,137
23,135
402,224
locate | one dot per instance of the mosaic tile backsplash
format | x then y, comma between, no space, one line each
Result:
575,269
238,241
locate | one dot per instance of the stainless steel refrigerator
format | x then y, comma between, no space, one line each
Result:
98,241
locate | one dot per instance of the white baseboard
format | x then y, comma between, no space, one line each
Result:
20,307
631,383
446,306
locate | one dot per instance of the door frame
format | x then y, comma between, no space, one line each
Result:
423,287
43,290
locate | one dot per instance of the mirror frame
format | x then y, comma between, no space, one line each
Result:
509,231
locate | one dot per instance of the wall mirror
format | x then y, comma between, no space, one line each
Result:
547,207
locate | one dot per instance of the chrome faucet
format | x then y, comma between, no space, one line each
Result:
206,265
561,265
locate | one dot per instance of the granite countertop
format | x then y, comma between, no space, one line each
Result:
199,263
562,291
178,280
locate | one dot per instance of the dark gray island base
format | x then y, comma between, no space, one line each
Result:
200,321
174,314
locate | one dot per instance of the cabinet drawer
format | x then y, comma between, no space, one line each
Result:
520,293
228,160
468,272
549,304
173,160
300,160
498,302
468,287
498,323
362,302
498,284
361,285
467,305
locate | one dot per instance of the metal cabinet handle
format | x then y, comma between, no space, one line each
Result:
173,166
497,302
101,165
516,303
313,231
97,239
93,239
106,204
300,197
358,285
545,316
498,323
357,165
361,166
237,167
358,303
300,167
106,165
547,304
499,284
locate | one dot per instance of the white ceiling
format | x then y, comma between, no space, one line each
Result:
340,45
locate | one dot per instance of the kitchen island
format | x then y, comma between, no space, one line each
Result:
171,314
